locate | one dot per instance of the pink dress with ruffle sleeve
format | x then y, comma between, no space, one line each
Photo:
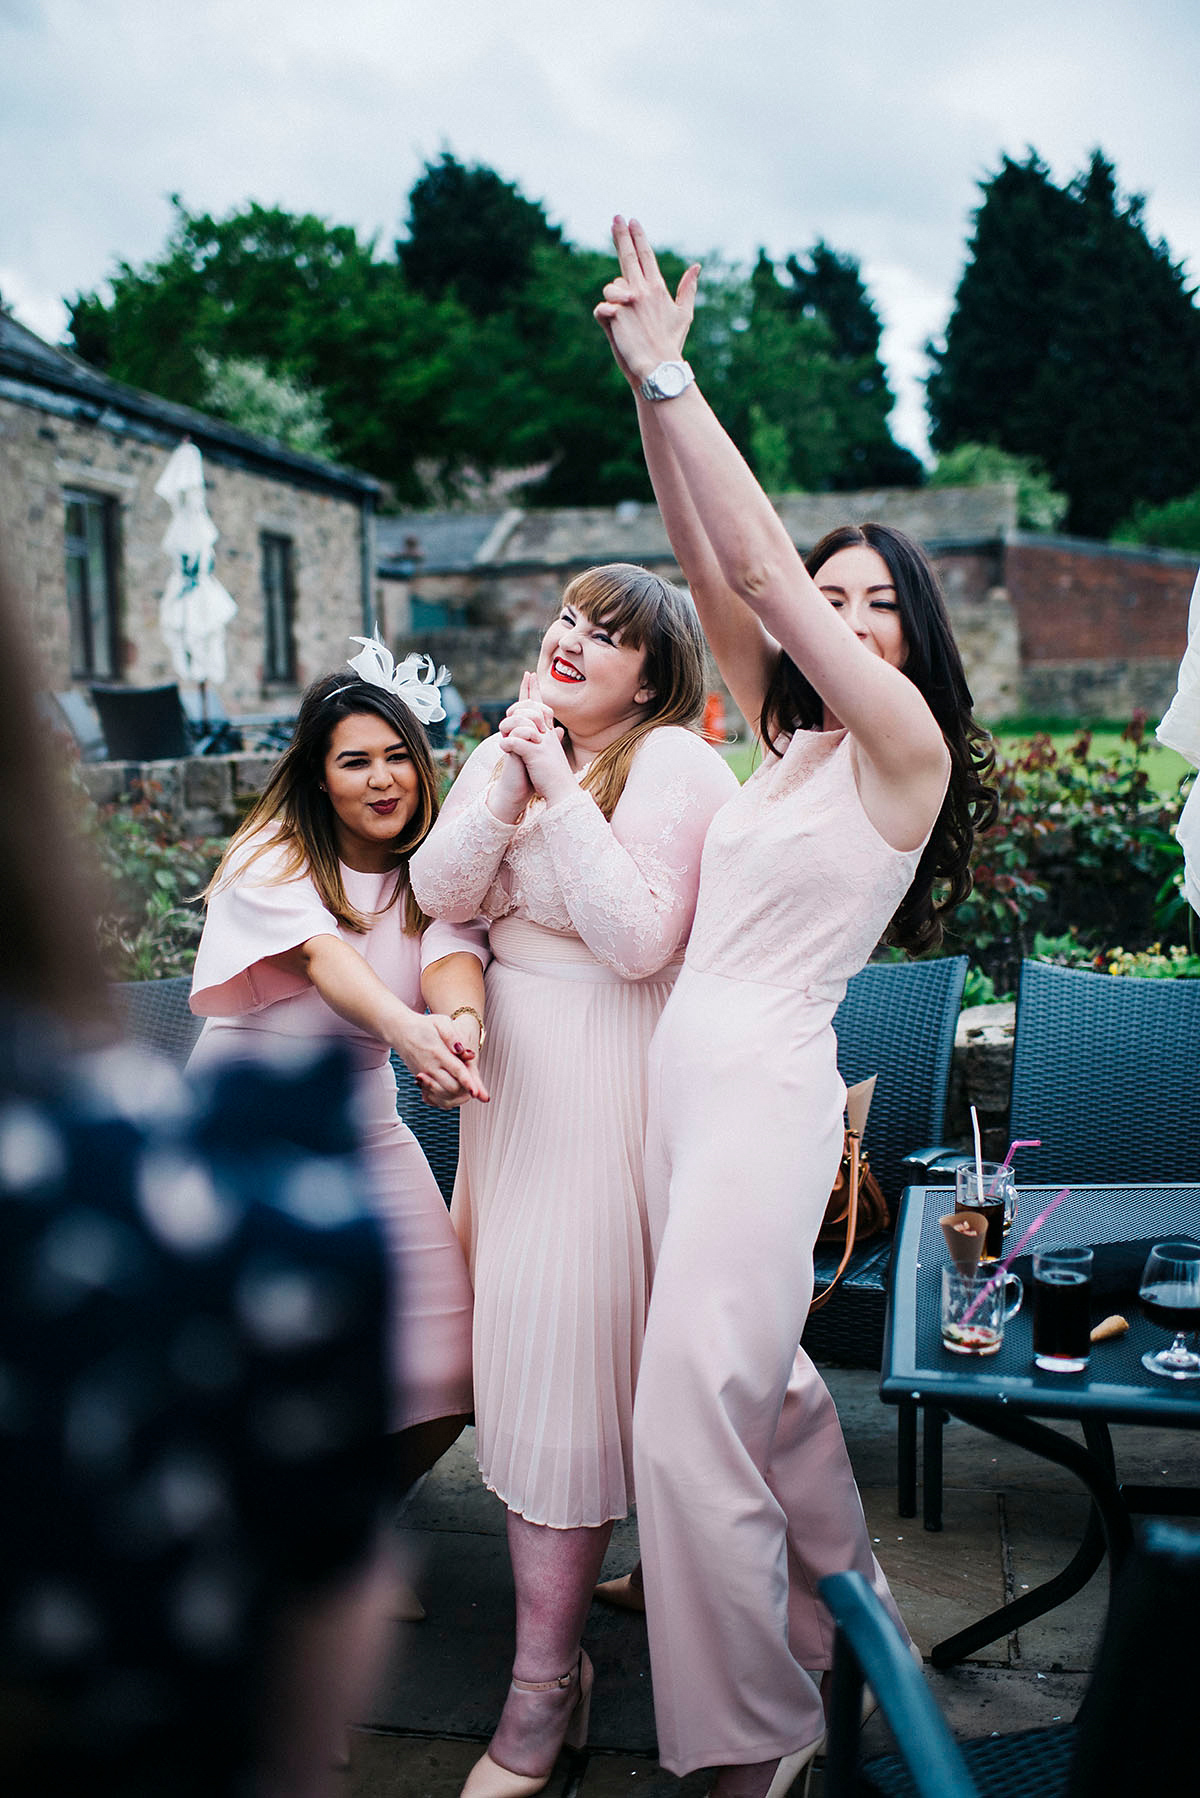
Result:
251,1007
588,921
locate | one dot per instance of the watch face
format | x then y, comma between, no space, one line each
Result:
670,380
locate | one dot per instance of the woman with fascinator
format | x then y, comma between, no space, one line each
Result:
313,931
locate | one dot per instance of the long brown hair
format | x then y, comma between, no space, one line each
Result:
651,615
935,668
296,813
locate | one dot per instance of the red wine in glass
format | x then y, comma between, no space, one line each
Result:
1170,1295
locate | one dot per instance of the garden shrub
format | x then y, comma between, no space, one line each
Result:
152,875
1083,848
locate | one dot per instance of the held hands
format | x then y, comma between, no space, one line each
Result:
642,322
440,1053
530,738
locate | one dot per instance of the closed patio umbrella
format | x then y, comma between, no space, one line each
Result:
1180,730
195,607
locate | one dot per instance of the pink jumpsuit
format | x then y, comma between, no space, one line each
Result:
745,1493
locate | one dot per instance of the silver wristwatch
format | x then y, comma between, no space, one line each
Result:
667,381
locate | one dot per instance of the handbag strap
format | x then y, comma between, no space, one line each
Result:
853,1150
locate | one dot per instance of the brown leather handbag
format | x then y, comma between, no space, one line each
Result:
857,1208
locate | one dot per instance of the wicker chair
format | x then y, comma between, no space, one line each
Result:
436,1131
1104,1072
1134,1731
897,1020
156,1016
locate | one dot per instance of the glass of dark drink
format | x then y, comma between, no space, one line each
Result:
1170,1295
1062,1292
997,1201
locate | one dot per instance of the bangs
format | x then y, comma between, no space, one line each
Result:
622,598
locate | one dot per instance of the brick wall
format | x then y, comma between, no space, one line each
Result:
1102,629
1078,601
41,454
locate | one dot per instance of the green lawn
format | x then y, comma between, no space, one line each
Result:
1165,768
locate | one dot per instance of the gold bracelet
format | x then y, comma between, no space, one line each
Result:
471,1013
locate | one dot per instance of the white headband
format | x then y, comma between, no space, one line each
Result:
418,691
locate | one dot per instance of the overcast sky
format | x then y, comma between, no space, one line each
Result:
723,124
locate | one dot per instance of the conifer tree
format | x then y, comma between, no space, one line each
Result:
1075,339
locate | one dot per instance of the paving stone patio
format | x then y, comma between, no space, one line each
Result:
1010,1521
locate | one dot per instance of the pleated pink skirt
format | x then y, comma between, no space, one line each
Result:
549,1206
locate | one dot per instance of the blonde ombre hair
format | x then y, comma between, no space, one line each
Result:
295,813
649,614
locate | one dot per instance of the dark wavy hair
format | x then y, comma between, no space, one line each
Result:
295,812
943,877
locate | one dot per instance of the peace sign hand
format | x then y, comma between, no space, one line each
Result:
643,323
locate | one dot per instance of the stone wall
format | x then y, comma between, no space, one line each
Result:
1047,625
41,454
207,795
504,610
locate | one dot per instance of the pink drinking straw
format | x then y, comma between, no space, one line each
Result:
1025,1142
1004,1266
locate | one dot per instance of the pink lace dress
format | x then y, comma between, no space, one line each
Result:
252,1008
746,1497
587,921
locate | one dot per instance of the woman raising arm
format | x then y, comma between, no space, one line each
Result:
870,792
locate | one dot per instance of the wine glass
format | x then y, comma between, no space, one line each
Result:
1170,1295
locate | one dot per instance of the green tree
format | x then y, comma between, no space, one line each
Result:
829,285
1039,507
1075,340
805,401
1173,525
473,350
307,300
245,392
472,234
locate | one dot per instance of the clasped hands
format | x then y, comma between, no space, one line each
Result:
533,759
441,1053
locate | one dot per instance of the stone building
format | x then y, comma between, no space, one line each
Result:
1048,626
82,530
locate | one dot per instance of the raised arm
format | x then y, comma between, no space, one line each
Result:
756,559
743,649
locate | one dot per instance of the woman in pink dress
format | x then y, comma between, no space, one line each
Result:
312,931
577,833
869,793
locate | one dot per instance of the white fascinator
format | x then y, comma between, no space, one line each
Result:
413,680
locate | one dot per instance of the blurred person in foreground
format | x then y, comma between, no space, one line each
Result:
192,1383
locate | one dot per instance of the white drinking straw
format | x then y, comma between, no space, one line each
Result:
978,1154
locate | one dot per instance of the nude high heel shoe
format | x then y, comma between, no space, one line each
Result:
488,1779
625,1592
790,1768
